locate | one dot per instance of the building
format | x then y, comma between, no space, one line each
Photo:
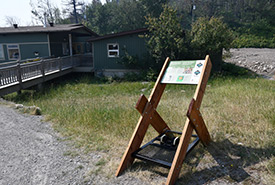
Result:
19,43
109,49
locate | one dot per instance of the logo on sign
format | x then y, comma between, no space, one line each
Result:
197,72
199,64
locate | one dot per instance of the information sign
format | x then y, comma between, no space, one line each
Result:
183,72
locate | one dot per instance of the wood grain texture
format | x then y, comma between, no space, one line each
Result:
144,121
197,121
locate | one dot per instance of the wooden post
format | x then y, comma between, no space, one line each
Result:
71,44
59,63
19,75
43,69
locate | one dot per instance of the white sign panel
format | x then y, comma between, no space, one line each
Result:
183,72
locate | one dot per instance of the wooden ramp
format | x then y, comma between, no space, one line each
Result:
20,76
168,149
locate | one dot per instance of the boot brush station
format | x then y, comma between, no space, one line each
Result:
170,147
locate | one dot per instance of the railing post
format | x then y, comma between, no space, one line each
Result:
43,70
72,61
19,75
60,63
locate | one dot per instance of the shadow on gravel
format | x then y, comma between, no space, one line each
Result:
230,159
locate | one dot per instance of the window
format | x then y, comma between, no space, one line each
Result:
13,51
2,55
113,50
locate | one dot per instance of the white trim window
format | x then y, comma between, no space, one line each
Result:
2,54
113,50
13,51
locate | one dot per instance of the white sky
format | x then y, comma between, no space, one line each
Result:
21,10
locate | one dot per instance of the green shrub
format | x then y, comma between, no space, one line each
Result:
211,36
258,34
253,41
165,37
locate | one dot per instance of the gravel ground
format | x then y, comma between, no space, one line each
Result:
31,152
258,60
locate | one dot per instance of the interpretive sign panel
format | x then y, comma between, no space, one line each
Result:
183,72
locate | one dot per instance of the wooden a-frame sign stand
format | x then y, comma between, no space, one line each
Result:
149,115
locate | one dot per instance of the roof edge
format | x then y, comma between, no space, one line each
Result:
113,35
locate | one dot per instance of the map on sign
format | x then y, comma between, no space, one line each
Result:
183,72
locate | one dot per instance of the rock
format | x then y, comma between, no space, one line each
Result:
19,106
35,110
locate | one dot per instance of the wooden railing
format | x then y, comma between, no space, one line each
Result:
17,73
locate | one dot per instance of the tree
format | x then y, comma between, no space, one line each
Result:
76,10
44,10
127,15
165,37
113,17
11,20
153,8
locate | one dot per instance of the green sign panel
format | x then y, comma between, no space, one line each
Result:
183,72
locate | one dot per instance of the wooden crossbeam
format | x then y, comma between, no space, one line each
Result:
196,120
156,120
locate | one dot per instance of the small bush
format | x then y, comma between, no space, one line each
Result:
211,36
253,41
258,34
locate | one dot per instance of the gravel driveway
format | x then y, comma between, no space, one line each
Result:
258,60
31,152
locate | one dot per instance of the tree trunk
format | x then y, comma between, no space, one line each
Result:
216,59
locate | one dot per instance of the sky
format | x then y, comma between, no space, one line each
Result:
21,10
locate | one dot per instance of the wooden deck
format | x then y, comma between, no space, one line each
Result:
21,75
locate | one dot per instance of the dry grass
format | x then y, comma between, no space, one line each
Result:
239,113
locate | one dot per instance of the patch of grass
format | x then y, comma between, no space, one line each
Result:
101,162
98,115
70,153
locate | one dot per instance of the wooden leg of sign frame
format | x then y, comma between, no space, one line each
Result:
197,121
148,110
180,154
135,141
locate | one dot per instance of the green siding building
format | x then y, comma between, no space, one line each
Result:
20,43
108,50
